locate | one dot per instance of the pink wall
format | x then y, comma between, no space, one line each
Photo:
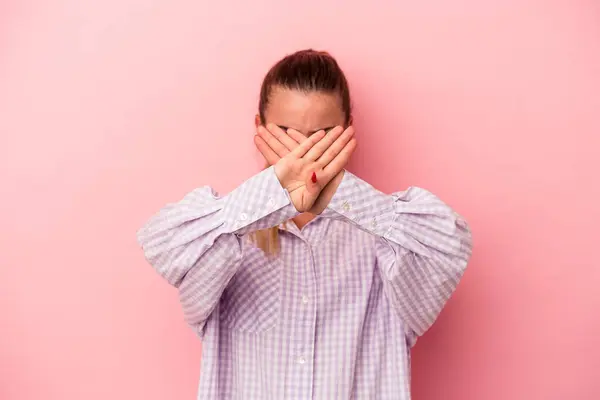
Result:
109,109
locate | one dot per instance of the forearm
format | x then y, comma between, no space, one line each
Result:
416,213
202,216
422,250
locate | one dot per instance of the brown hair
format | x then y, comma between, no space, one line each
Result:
306,71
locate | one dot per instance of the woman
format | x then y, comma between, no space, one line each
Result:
305,282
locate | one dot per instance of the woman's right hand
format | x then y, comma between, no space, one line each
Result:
323,154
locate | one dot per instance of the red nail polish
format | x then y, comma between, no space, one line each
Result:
313,178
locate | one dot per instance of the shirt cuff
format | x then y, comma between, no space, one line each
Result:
361,204
258,203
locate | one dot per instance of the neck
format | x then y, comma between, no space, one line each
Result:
303,219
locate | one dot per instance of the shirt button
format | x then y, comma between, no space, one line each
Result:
374,223
346,206
270,202
305,299
243,216
301,360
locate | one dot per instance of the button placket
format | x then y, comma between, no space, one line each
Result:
306,309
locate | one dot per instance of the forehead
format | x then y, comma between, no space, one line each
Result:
304,111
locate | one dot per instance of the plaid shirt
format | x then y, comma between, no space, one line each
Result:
335,313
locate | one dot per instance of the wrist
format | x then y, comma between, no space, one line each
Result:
335,182
327,194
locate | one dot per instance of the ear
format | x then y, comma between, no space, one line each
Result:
257,120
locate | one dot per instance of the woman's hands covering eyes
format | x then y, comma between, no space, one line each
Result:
297,157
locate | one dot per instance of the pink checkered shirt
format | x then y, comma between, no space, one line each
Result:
335,314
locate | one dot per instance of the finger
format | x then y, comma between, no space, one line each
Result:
340,161
266,151
305,146
282,136
272,141
297,136
335,149
318,149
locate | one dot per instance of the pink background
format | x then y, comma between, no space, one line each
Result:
109,109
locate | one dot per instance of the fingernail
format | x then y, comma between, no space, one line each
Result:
313,178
